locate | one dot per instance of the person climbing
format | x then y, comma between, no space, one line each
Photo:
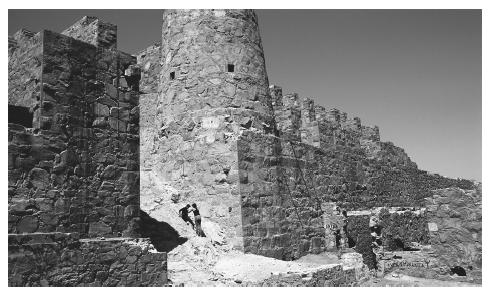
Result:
184,215
198,220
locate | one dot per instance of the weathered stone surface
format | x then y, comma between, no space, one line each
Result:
61,259
456,239
28,224
60,159
39,178
260,164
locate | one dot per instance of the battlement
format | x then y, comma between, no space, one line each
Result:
94,31
300,119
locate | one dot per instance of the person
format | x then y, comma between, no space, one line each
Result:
198,220
184,215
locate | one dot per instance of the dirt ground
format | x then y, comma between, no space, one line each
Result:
254,268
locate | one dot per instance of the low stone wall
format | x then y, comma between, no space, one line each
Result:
452,220
413,263
334,275
61,259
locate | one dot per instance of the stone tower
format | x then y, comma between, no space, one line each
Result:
212,59
212,86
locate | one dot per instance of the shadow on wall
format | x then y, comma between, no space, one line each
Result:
164,237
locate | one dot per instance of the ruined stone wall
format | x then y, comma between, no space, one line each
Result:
326,276
454,222
24,69
402,230
359,236
283,183
62,259
78,171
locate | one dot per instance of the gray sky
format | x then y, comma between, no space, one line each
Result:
414,73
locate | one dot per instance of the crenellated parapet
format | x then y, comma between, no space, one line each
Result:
309,129
287,113
300,119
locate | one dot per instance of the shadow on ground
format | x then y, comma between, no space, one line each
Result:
164,237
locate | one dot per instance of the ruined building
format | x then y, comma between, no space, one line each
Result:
194,119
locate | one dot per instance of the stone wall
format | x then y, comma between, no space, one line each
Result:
454,220
62,259
359,236
212,86
78,169
24,69
219,136
325,276
149,60
402,230
283,184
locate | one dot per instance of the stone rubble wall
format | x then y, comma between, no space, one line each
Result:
414,263
396,228
62,259
283,184
454,221
78,170
446,234
24,69
359,234
324,276
405,228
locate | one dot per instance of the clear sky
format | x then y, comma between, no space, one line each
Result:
414,73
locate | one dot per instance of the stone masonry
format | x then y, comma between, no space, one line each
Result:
277,174
74,158
260,162
257,161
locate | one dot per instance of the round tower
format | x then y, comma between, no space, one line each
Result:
213,86
213,59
